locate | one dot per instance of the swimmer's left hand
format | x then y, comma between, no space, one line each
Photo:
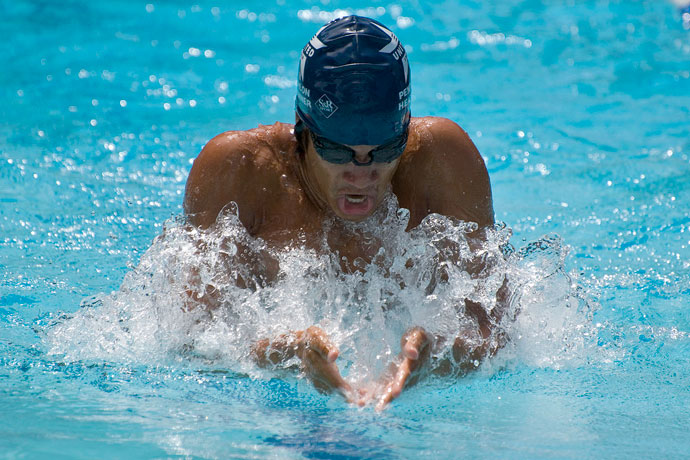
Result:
415,346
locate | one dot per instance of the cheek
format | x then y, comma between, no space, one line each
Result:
326,174
388,171
328,180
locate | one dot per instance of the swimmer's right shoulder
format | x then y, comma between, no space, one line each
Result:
223,157
255,146
229,168
224,147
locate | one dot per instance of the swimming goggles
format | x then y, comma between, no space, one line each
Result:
336,153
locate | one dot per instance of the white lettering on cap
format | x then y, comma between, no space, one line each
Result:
390,47
308,50
302,61
396,48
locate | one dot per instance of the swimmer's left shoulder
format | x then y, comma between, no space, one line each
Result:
443,172
443,136
442,143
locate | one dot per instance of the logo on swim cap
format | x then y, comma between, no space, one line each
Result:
354,83
326,106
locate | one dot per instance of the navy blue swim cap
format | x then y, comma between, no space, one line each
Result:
354,83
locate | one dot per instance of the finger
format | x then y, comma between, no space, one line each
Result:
383,403
386,399
411,351
395,388
401,377
333,354
325,349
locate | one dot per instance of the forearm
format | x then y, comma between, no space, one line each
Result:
224,264
484,337
464,352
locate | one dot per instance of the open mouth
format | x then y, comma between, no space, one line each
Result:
355,205
355,198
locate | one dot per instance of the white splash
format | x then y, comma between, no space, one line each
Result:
410,282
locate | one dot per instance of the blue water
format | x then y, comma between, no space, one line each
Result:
580,109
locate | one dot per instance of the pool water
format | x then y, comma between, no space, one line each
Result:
581,112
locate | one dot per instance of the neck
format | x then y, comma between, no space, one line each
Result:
308,184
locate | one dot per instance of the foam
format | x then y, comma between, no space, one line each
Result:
364,312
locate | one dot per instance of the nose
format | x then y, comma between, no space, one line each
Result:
361,176
362,153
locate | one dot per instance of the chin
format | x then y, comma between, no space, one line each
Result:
354,218
351,217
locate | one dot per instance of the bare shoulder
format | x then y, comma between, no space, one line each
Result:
235,166
443,172
446,143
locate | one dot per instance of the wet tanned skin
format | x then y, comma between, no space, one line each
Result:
283,196
440,172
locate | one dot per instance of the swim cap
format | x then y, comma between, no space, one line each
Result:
354,83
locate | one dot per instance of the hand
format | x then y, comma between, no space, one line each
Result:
316,352
415,346
318,357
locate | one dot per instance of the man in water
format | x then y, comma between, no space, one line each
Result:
353,142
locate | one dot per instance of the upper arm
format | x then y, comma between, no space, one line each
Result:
447,175
224,172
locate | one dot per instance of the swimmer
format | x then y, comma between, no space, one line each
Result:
353,142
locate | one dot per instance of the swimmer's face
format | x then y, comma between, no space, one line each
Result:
352,192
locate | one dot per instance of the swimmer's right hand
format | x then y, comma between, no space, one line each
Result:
317,355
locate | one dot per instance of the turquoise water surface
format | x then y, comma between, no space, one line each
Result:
581,110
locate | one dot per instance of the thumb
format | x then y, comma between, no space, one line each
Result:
411,350
415,341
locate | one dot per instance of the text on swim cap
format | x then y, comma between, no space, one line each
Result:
392,44
304,100
326,106
308,50
404,98
303,95
399,51
303,89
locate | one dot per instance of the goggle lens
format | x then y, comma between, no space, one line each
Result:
336,153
